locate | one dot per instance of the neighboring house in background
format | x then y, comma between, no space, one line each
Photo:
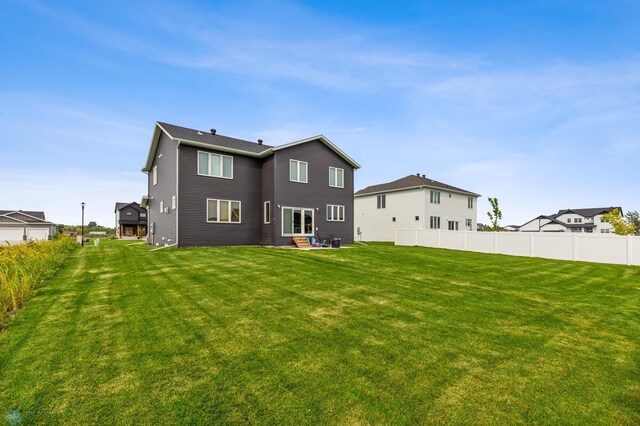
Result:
17,226
511,228
131,220
413,202
207,189
572,220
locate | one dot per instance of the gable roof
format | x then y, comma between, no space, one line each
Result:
21,216
412,182
203,139
589,212
120,206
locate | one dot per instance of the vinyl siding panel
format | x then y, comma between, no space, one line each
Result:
194,190
315,194
164,223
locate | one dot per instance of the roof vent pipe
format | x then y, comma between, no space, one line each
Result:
418,174
213,131
259,141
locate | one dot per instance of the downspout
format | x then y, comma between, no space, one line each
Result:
177,190
424,207
275,204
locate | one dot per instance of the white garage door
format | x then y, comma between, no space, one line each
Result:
37,234
10,234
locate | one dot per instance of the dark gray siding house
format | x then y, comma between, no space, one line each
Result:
206,190
131,220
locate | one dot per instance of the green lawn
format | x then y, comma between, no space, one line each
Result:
377,334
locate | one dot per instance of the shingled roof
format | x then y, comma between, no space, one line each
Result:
411,182
183,133
135,205
22,216
590,212
212,140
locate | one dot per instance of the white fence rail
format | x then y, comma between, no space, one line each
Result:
601,248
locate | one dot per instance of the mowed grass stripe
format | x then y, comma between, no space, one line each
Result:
377,334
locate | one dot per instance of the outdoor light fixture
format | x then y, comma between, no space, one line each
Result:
82,204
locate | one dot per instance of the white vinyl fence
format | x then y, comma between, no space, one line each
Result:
601,248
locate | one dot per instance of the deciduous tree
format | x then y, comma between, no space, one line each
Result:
620,226
495,215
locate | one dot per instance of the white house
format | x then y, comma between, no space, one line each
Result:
572,220
17,226
413,202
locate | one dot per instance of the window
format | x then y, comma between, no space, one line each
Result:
569,220
161,206
335,213
382,201
578,220
468,223
223,211
173,202
128,213
298,171
336,177
417,217
435,222
453,225
267,212
604,231
435,197
215,165
470,202
154,175
393,219
143,214
297,221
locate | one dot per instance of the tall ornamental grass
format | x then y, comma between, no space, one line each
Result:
23,267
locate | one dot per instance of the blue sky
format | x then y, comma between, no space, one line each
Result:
535,103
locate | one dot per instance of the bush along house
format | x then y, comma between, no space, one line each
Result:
205,189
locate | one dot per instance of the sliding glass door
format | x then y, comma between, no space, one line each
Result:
297,221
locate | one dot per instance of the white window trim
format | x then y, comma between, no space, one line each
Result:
313,221
298,177
161,206
334,171
154,175
434,197
266,211
383,201
470,202
432,222
218,213
209,154
173,202
330,208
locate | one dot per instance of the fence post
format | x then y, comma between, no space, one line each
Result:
531,244
416,237
465,240
575,247
495,242
629,250
439,239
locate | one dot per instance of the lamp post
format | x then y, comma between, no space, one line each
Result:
82,204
